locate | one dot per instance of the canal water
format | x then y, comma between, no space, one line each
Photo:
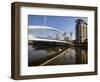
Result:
56,55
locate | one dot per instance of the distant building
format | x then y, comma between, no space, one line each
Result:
81,31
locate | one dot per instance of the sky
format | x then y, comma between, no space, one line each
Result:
65,24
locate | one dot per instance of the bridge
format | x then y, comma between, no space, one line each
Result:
48,40
32,38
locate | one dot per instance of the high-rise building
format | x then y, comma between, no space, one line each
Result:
81,31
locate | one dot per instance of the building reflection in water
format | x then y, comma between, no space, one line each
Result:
70,56
56,55
81,56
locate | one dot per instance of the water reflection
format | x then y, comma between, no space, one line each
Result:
70,56
56,55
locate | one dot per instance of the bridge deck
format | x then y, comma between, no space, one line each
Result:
48,40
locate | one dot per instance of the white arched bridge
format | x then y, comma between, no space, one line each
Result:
46,35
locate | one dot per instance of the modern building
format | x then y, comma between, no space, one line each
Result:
81,31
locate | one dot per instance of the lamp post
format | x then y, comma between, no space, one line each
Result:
71,37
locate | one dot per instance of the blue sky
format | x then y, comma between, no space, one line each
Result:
62,23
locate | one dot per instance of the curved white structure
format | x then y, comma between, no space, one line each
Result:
44,27
32,35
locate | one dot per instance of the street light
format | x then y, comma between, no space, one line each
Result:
71,36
